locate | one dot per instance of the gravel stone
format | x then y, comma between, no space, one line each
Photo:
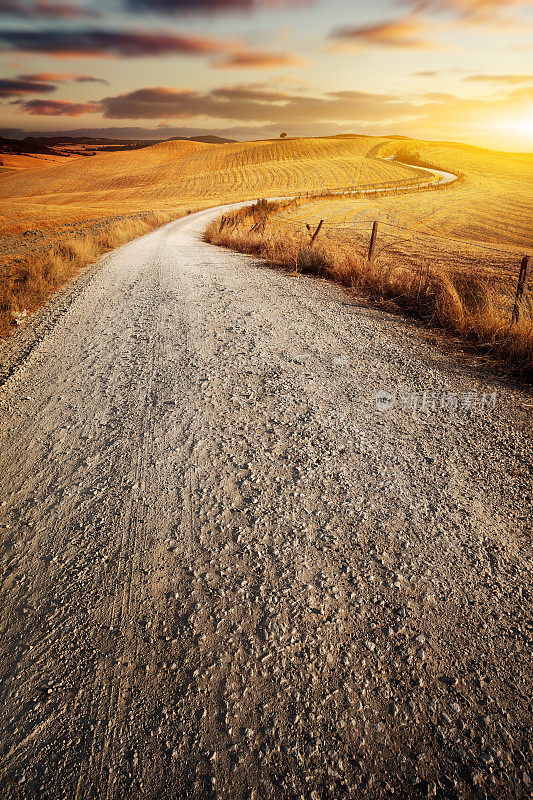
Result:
207,518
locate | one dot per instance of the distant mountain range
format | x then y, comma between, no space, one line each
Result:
50,145
23,147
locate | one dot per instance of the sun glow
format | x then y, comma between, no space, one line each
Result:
516,127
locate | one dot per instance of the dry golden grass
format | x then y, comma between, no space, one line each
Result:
469,306
492,203
25,286
10,161
183,173
167,178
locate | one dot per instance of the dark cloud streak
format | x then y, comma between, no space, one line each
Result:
33,9
212,6
99,43
253,105
17,87
45,9
56,77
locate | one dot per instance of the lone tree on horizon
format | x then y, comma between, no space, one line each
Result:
283,135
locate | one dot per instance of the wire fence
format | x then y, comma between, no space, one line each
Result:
457,256
376,189
505,272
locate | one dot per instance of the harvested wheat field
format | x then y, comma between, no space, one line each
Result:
478,226
449,255
181,172
491,203
50,212
11,162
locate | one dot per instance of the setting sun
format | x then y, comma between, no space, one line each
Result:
521,128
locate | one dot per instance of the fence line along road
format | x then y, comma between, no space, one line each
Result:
498,268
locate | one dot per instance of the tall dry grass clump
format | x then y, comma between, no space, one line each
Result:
468,306
27,284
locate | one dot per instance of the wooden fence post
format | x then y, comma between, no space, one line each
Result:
419,282
315,234
522,279
372,246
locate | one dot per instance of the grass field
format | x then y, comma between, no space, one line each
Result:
10,162
467,291
26,283
492,203
44,206
458,249
172,174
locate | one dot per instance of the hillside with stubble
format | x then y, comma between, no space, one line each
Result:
492,202
183,173
450,256
57,219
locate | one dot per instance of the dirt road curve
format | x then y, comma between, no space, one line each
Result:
227,574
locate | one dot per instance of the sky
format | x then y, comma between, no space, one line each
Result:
459,70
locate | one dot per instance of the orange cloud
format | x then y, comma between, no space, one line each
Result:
405,32
258,60
478,11
59,108
509,80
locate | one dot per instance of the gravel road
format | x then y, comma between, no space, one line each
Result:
229,571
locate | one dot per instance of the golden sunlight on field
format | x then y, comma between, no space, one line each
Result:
468,291
181,172
492,201
10,161
477,227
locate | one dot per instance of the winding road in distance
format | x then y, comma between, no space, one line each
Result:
237,563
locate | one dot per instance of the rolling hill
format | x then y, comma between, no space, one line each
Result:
186,174
491,203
